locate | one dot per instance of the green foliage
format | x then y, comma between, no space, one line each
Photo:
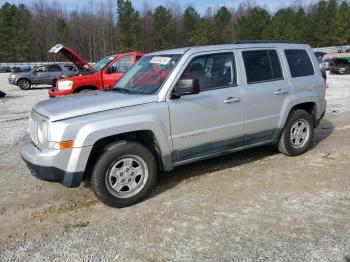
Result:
128,26
223,27
163,27
190,20
26,34
252,26
203,34
14,33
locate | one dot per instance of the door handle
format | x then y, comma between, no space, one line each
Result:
231,99
281,92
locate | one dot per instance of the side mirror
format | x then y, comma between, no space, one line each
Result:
109,70
185,87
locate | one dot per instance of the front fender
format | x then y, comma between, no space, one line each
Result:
86,130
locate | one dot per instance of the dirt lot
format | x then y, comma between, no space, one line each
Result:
256,205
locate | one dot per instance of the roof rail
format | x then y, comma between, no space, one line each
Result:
267,42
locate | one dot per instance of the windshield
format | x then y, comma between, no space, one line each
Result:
102,63
147,75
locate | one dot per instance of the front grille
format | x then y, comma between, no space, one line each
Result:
33,131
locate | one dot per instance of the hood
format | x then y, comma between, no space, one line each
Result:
77,60
60,108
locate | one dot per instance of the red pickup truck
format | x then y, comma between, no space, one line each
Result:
101,75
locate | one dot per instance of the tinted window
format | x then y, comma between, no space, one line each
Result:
262,65
40,69
212,71
299,63
54,68
123,64
69,67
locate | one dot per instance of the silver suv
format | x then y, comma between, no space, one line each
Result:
173,108
41,75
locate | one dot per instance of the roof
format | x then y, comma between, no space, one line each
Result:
267,42
239,44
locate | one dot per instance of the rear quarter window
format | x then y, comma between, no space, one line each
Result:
299,62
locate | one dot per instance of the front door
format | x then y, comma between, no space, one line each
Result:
212,121
119,66
40,75
53,72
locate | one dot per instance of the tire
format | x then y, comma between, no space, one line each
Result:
124,174
24,84
297,133
84,91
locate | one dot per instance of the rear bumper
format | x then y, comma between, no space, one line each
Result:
321,111
61,166
55,92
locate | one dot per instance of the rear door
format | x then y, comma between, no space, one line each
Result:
212,121
53,72
305,74
265,92
40,75
121,65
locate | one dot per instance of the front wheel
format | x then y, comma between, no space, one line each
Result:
24,84
124,174
297,134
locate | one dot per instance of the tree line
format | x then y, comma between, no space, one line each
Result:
28,32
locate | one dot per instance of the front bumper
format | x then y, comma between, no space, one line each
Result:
53,92
12,81
61,166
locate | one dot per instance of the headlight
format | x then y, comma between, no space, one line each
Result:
43,132
64,84
12,76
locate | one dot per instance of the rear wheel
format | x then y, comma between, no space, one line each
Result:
297,134
24,84
124,174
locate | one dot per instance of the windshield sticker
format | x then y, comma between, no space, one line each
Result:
160,60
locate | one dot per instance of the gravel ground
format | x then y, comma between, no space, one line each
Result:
255,205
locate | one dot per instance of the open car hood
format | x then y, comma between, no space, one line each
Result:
77,60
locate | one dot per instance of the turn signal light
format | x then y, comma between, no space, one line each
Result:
61,145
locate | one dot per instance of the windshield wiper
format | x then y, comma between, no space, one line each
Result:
118,89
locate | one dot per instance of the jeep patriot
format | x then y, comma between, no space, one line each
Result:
173,108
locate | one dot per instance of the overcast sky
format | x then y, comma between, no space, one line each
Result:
200,5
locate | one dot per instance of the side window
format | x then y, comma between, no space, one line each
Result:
299,62
40,69
69,67
123,64
54,68
212,71
262,65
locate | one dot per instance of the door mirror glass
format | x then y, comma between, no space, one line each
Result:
186,87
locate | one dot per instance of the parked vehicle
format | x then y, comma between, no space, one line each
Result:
176,107
25,68
5,69
15,69
340,66
319,55
326,63
41,75
99,76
